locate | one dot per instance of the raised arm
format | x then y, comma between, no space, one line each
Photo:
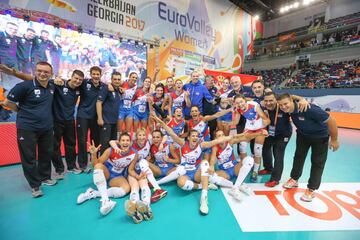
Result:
187,98
172,134
246,137
209,144
156,76
13,72
94,153
216,115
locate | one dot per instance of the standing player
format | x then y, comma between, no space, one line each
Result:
225,89
178,97
125,111
141,105
223,122
256,121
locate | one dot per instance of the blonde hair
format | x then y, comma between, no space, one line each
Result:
140,130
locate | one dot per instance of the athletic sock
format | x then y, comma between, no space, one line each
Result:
152,180
256,167
100,182
243,172
204,193
145,195
172,176
134,196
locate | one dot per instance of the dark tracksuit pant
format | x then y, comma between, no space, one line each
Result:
319,149
83,125
107,132
274,146
34,145
64,130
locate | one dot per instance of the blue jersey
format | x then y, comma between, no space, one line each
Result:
141,105
226,118
177,127
225,156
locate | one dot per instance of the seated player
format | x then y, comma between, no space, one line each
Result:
110,167
192,173
142,146
229,167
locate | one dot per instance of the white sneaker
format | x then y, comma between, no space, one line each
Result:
246,189
235,193
204,209
89,194
106,206
212,186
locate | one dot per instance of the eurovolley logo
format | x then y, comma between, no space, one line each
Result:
336,207
185,20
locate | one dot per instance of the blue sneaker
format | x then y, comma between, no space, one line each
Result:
253,177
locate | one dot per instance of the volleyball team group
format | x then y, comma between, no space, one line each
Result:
142,137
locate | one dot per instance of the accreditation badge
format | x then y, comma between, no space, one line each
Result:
271,131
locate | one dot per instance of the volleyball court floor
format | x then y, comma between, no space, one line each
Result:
271,213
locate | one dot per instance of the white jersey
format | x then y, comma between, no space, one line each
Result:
142,152
159,156
120,162
190,158
253,120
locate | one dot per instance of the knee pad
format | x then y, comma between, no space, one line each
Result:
204,167
144,165
180,170
242,147
248,162
99,177
116,192
258,150
189,185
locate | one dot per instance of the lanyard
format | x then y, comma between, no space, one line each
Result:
276,114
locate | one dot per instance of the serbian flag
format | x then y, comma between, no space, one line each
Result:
220,76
